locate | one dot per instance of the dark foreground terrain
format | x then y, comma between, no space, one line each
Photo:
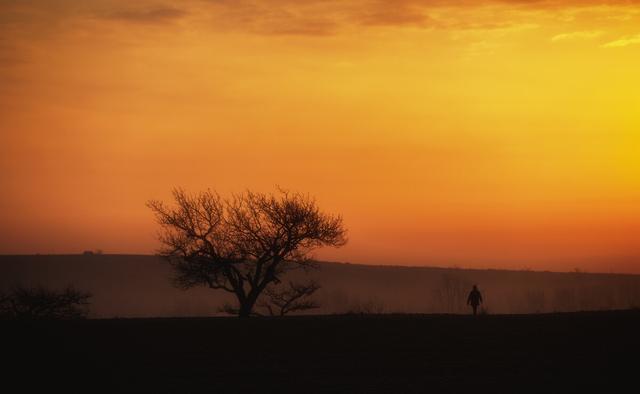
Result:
594,352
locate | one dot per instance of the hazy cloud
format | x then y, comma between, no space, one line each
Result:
302,27
151,15
623,42
324,17
290,17
577,35
380,13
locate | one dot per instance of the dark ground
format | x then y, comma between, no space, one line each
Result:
352,354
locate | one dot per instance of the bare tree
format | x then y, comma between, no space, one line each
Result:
41,303
242,244
292,297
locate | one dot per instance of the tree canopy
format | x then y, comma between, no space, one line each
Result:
242,244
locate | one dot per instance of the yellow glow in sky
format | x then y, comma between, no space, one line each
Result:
481,134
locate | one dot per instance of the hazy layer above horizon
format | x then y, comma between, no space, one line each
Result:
140,286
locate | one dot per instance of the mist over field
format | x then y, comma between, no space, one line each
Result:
140,286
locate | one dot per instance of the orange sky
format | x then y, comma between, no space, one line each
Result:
490,133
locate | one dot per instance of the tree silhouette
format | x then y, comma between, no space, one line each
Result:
242,244
292,297
42,303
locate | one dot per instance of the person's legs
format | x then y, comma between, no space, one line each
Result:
475,310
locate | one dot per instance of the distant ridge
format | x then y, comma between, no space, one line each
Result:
349,263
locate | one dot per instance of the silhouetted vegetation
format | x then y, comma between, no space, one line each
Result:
292,297
242,245
41,303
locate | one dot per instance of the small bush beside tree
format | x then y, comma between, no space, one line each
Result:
23,302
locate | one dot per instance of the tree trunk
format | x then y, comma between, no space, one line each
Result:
246,308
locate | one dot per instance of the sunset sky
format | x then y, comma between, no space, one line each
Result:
496,133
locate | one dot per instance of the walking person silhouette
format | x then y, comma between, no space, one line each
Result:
474,299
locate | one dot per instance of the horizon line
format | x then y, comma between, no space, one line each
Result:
383,265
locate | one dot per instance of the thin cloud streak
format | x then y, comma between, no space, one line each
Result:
623,42
151,15
327,17
288,17
577,35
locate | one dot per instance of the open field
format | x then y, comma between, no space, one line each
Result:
596,351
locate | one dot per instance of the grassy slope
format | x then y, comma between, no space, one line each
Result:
368,354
